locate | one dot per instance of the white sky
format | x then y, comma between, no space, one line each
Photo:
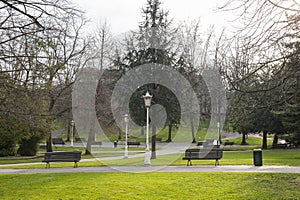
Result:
124,15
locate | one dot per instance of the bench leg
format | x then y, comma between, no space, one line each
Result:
75,165
47,165
189,163
217,163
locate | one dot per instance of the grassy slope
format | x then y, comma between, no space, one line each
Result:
150,186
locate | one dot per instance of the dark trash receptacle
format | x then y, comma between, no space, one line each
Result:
115,144
257,157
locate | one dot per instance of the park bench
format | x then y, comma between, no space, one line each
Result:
58,141
129,143
133,143
158,140
279,146
215,153
228,143
67,156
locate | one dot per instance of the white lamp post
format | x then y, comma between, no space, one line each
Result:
147,99
126,136
72,132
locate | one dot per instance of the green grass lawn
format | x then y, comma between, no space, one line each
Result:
150,186
250,141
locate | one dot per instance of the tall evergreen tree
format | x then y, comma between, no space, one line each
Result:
153,41
291,94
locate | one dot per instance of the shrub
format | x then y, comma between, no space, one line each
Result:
7,145
8,137
13,132
29,145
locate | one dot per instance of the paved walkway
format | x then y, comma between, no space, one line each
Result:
202,168
166,148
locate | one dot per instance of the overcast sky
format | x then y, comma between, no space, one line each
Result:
124,15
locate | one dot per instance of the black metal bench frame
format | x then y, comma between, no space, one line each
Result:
203,154
62,156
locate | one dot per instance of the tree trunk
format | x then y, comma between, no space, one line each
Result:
69,131
88,148
120,135
193,131
264,144
170,133
153,152
220,137
142,131
275,140
49,143
243,139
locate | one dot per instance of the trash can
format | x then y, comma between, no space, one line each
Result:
257,157
115,144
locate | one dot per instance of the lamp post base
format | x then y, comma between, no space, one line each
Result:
126,155
147,161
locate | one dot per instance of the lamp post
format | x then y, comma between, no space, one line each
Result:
147,98
126,135
72,132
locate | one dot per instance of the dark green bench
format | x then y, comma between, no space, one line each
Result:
58,141
62,156
214,153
